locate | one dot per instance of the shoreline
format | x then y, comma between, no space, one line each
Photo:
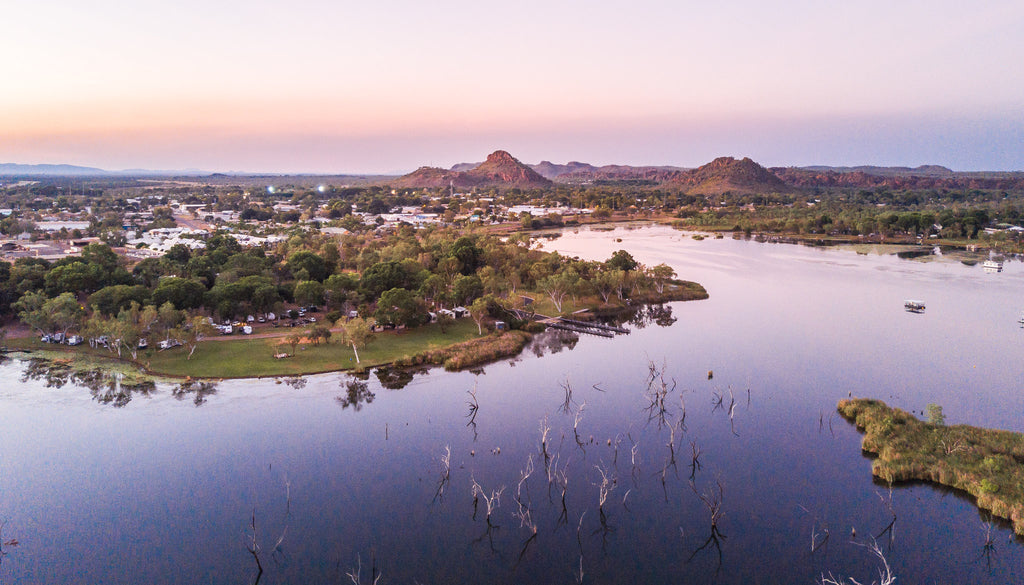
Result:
463,348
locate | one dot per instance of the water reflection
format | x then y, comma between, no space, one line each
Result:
357,393
105,386
396,378
553,341
660,315
199,390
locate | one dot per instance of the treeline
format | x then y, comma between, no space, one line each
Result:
396,279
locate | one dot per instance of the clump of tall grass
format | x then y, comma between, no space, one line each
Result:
986,463
471,353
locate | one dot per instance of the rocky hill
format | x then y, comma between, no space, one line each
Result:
727,174
551,170
501,169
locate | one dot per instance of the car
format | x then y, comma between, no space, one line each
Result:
312,319
46,339
250,319
143,344
168,344
75,340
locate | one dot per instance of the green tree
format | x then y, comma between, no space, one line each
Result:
109,300
183,293
198,328
479,310
660,275
357,332
316,268
319,332
558,286
59,314
399,306
622,260
309,292
384,276
466,288
265,297
606,282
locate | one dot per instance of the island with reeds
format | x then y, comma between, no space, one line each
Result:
988,464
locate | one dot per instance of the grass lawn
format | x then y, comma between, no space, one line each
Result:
244,357
255,357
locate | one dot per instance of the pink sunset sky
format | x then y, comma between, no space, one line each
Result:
381,87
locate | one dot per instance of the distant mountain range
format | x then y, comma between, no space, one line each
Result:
44,170
502,170
740,176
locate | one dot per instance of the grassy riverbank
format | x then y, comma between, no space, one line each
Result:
988,464
244,357
459,347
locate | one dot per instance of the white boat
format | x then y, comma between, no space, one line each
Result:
992,266
914,306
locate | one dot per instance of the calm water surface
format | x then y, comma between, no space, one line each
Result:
162,486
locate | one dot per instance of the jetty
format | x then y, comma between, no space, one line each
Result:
574,325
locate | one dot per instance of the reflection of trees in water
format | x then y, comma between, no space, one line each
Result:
198,390
296,382
357,393
113,388
553,341
56,374
106,387
660,315
394,378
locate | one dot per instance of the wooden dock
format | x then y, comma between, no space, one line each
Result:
574,325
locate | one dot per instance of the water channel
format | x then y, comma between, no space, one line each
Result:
163,484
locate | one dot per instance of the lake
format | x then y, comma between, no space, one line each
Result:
163,484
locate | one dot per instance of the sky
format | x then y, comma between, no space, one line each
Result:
334,86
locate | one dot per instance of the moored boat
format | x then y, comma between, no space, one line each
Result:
992,266
914,306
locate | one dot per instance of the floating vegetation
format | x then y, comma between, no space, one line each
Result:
986,463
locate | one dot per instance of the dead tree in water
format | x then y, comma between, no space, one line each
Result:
492,502
712,500
694,459
374,573
566,405
890,528
474,407
446,470
885,576
576,425
252,540
657,393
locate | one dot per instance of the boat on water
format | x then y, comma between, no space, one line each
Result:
914,306
992,266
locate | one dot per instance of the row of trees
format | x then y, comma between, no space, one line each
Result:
394,279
